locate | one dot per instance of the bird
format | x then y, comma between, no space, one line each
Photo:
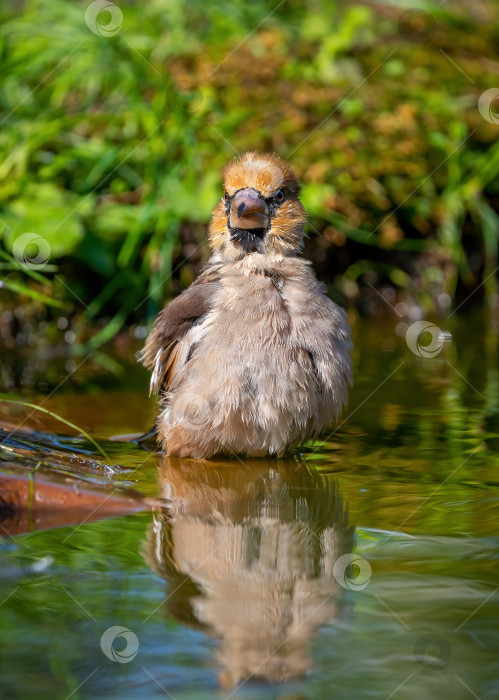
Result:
253,359
226,541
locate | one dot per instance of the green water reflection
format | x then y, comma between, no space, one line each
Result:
365,568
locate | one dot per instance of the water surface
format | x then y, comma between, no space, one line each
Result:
364,567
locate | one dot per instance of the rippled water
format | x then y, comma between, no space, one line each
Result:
366,567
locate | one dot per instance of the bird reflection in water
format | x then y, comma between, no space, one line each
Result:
248,553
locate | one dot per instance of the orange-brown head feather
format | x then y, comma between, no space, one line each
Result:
260,212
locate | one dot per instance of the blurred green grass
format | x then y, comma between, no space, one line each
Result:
112,147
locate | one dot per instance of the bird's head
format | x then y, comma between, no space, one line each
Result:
260,211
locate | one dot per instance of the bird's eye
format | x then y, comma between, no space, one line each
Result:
226,195
280,196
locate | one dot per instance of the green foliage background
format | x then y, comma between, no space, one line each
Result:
112,147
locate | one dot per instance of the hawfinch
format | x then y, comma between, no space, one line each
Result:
253,557
253,358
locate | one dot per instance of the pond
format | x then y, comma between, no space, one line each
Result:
363,567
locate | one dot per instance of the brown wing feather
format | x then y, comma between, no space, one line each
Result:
160,353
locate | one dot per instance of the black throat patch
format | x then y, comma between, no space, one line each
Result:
250,240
